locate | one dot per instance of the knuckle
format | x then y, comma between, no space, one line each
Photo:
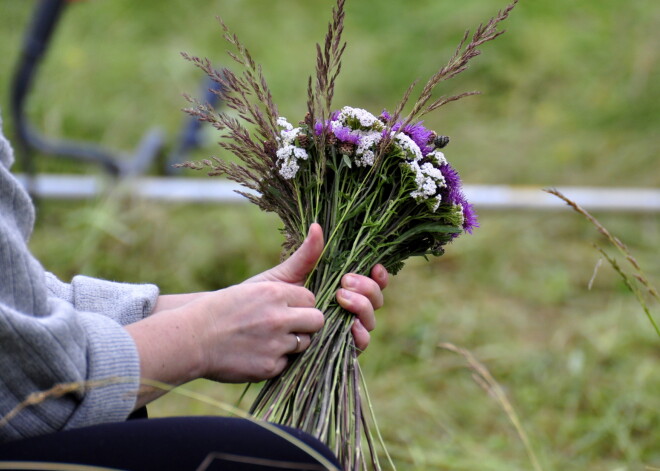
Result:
273,290
271,345
319,318
274,320
373,291
308,297
272,367
362,304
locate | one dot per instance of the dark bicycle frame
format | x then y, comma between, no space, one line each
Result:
45,19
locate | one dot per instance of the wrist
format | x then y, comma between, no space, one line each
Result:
165,302
168,348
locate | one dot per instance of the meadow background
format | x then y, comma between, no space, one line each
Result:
571,97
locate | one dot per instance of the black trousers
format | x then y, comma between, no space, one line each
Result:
176,444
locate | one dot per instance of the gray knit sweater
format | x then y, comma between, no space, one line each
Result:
52,332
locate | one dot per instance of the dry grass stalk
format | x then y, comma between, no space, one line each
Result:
632,281
328,62
484,379
458,63
56,391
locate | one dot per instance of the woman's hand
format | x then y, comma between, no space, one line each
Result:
362,295
242,333
359,294
246,332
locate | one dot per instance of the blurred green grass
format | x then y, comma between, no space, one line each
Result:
571,96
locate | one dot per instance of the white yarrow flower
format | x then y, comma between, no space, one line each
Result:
283,123
366,159
428,180
437,157
364,153
289,168
365,118
288,136
284,152
300,153
288,157
432,172
408,145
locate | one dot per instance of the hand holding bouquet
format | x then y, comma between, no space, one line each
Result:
379,185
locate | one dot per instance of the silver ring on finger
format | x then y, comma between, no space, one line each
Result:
298,344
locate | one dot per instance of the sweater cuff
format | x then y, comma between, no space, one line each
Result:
113,372
125,303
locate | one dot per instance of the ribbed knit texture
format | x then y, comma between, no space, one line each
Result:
53,333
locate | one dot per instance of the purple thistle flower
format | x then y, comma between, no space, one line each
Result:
417,132
452,193
420,135
469,217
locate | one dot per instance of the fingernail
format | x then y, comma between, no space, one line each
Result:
346,294
350,281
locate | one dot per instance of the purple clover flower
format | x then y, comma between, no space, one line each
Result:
342,133
385,115
345,134
320,128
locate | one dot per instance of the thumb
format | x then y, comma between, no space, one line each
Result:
296,268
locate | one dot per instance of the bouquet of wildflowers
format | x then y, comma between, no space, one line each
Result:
379,185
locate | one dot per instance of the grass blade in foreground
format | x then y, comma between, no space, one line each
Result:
488,383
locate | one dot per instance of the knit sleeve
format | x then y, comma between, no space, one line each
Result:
89,355
48,344
124,302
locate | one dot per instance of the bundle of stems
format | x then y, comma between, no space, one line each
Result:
370,220
378,185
